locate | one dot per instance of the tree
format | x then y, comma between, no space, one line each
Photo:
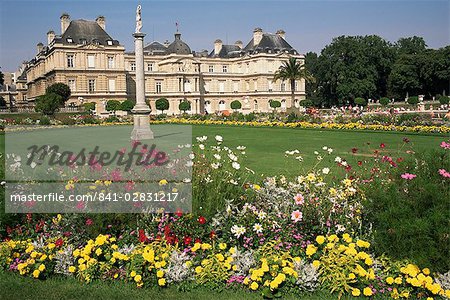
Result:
413,100
113,105
236,104
444,100
2,78
162,104
127,105
184,106
360,101
411,45
292,70
274,104
48,103
60,89
384,101
90,106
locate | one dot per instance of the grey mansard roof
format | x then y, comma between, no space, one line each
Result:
85,32
271,42
155,48
227,51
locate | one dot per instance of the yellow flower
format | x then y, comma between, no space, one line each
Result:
311,249
72,269
43,257
133,273
356,292
398,280
198,270
36,273
389,280
351,276
367,291
159,273
98,251
316,264
161,282
196,247
256,187
426,271
320,239
246,280
137,278
82,267
254,286
51,246
41,268
222,246
163,182
220,257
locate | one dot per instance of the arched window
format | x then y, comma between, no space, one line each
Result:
221,105
255,104
208,106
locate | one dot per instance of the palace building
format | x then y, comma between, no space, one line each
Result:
97,68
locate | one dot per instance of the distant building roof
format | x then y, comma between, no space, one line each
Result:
227,51
155,48
86,32
271,42
178,46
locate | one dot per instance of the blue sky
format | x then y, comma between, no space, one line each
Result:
309,25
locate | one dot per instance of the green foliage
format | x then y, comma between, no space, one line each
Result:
275,104
236,104
90,106
413,100
413,119
306,103
48,104
60,89
127,105
44,121
113,105
360,101
444,100
384,101
411,217
184,106
2,78
162,104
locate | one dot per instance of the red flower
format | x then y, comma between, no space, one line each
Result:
354,150
382,145
59,242
187,240
399,160
201,220
28,217
89,222
179,213
360,163
142,237
348,168
212,234
406,140
197,240
67,233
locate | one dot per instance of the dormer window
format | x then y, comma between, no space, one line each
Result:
109,42
83,41
69,40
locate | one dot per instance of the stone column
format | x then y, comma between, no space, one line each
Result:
141,111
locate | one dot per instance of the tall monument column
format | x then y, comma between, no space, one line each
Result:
141,111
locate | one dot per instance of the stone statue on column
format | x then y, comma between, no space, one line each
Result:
138,19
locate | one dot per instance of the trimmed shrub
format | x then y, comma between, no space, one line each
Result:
90,106
162,104
275,104
127,105
306,103
113,105
48,104
184,106
384,101
360,101
413,100
60,89
236,104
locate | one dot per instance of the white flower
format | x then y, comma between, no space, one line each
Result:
237,230
326,171
330,150
217,156
219,139
201,146
338,159
299,199
236,165
316,153
187,145
299,158
202,139
257,228
215,166
262,215
186,180
241,148
319,157
344,163
325,148
192,156
232,157
208,179
33,165
296,216
189,163
233,182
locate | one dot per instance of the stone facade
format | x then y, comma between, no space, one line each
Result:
97,68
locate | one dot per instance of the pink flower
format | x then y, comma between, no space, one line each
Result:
445,145
408,176
299,199
296,216
444,173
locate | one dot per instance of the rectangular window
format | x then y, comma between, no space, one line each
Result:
283,87
72,85
235,86
224,69
221,86
70,63
158,87
150,67
133,66
255,84
206,86
270,84
112,85
91,85
91,61
211,69
247,86
110,62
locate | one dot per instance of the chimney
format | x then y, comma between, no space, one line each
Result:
39,47
65,21
166,43
217,46
50,36
281,33
238,44
101,22
257,36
